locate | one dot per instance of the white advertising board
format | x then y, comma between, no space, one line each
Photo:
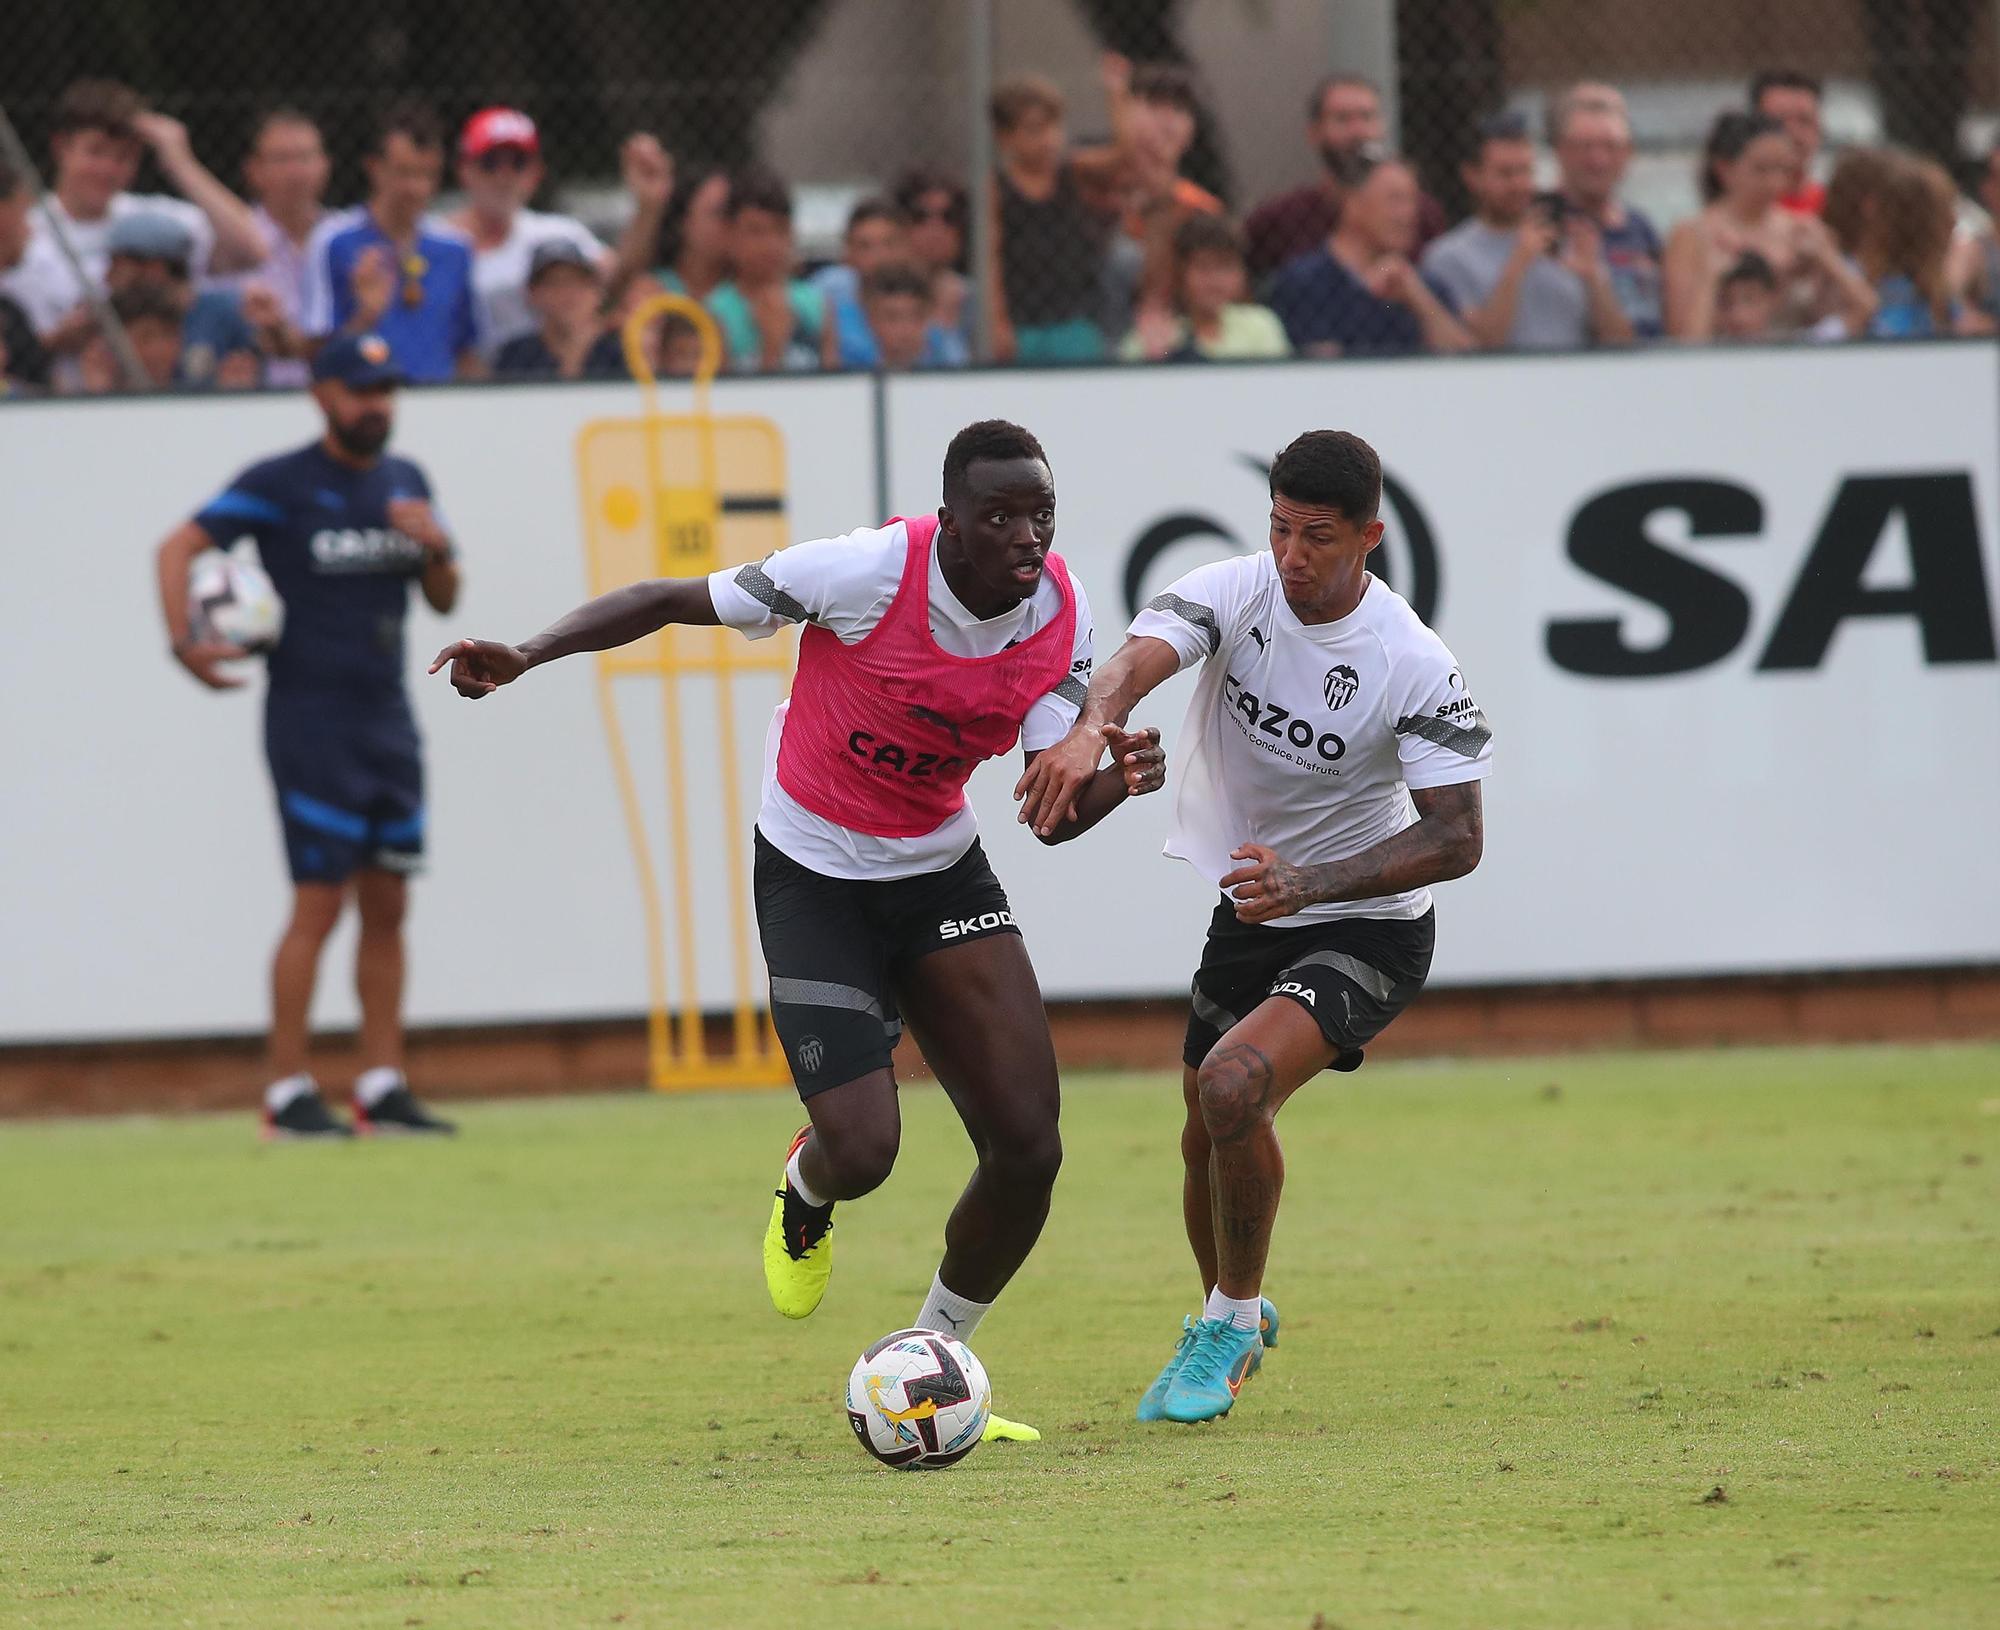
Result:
1731,616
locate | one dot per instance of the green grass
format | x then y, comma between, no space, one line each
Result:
1696,1339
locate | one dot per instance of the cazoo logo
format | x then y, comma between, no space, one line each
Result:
1406,559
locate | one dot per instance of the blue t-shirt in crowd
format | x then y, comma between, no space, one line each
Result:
214,328
1901,311
323,532
1327,309
427,334
1632,253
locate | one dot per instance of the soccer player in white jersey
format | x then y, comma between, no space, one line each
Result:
1330,770
931,644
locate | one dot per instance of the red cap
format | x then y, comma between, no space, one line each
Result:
498,127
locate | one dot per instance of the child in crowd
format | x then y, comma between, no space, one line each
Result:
1211,317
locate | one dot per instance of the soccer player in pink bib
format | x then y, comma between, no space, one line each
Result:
930,645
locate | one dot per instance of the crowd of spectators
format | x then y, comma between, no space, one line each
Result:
1099,251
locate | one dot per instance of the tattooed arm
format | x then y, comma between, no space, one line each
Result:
1445,842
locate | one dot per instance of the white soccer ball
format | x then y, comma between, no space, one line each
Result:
232,601
918,1400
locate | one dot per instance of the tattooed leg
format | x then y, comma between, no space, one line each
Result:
1240,1088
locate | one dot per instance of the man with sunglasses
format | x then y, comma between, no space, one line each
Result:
384,269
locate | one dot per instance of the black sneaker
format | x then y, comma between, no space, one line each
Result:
306,1116
397,1110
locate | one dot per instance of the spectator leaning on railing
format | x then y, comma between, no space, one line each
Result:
383,269
1357,294
1049,235
1975,256
876,235
286,173
1592,138
771,320
24,364
152,320
1743,169
1793,100
566,297
217,345
1524,273
99,132
1153,113
694,233
897,302
1893,215
1343,119
1211,316
935,207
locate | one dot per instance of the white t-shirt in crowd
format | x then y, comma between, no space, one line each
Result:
45,287
1308,738
500,274
846,585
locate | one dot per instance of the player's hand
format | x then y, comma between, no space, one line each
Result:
1139,756
200,657
1049,788
1266,888
373,282
417,521
647,170
480,667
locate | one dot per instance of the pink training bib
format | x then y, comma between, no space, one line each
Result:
882,735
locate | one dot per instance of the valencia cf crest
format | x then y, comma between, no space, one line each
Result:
1341,684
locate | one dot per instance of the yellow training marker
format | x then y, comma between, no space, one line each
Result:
680,495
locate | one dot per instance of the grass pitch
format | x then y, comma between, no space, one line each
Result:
1695,1340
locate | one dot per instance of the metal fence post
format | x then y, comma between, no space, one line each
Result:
979,184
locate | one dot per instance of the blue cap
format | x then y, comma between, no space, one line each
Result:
359,360
150,235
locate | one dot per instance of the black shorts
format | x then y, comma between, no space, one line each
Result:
835,945
349,775
1352,974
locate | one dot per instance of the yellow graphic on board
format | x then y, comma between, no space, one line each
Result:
680,495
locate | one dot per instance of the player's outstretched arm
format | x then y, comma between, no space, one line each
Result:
1138,766
1445,842
480,667
1054,781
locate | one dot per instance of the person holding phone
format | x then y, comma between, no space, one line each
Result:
1526,272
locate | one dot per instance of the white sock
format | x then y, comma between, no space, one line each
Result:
281,1092
950,1314
372,1086
800,1186
1246,1313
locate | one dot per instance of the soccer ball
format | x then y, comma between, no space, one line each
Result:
917,1399
231,599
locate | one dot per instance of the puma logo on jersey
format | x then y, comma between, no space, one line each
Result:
938,719
1291,987
954,928
1257,634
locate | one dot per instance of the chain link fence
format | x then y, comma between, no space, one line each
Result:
1134,139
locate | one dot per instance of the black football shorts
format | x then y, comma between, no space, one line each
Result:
835,945
1352,974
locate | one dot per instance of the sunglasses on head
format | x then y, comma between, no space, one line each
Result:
504,158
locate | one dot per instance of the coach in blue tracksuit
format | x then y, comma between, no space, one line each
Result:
342,527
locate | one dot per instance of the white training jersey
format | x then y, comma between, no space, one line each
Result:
1308,738
846,585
